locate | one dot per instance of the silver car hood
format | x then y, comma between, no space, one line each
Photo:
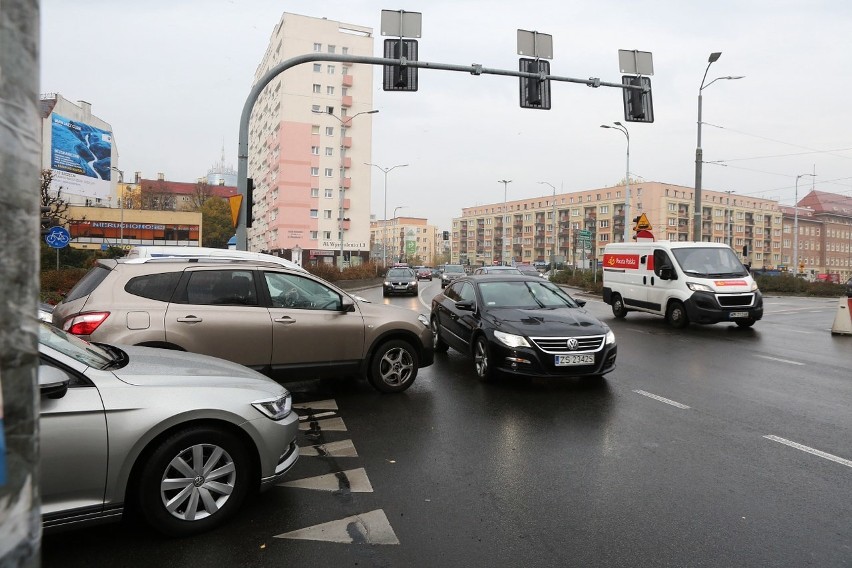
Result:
165,367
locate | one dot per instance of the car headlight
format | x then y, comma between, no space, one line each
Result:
610,338
423,319
511,340
387,283
696,287
276,408
754,286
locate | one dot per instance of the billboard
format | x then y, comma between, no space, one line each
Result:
80,157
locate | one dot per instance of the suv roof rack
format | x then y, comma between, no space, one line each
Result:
203,260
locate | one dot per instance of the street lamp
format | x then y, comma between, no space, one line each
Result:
553,251
121,205
396,222
623,129
796,224
505,183
344,122
696,229
385,214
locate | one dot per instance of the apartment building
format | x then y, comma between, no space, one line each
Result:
824,235
538,229
405,239
309,137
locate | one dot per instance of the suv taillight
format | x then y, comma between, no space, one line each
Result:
85,324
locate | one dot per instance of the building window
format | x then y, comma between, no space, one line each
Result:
314,213
315,108
314,172
315,150
317,67
329,172
317,88
329,193
329,109
314,235
315,129
326,235
331,48
314,192
326,213
329,151
329,90
604,208
603,223
344,50
329,131
331,69
317,47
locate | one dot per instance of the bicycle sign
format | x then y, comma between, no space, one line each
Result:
58,237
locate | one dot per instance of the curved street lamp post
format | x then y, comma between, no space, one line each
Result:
385,214
505,183
623,129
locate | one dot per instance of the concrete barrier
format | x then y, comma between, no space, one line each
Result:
843,320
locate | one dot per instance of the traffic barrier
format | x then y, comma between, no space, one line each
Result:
843,320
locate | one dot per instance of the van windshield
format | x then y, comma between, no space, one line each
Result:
710,262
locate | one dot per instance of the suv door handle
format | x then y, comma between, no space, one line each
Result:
284,319
190,319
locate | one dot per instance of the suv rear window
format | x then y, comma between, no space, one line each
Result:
87,283
154,286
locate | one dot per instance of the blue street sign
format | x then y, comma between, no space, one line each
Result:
58,237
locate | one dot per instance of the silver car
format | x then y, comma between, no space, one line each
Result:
181,438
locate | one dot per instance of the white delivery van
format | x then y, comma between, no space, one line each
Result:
206,252
681,281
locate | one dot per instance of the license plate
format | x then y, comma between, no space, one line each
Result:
734,315
566,360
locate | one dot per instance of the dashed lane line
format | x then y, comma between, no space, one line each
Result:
661,399
825,455
787,361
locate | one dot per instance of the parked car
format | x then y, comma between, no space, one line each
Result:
450,273
400,281
45,312
181,438
529,270
521,325
424,273
497,270
283,322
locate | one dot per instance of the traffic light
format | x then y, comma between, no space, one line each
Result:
446,235
46,219
638,104
249,202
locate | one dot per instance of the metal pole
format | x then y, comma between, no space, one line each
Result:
385,214
696,226
553,249
505,183
121,206
796,225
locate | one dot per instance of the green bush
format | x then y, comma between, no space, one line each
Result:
331,273
795,286
55,284
585,279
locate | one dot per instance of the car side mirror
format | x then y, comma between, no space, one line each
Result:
52,382
465,305
667,272
347,304
580,303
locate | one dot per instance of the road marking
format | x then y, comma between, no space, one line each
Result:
780,360
842,461
341,449
366,528
315,416
317,404
329,424
661,399
349,481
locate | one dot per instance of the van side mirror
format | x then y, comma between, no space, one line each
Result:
667,272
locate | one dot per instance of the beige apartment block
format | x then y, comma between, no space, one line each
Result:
310,135
406,239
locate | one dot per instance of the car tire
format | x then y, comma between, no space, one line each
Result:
676,315
481,363
618,309
438,344
178,505
394,366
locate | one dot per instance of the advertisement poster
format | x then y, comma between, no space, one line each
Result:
80,157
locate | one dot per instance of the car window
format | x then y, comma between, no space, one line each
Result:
467,293
219,287
80,350
452,292
524,295
154,286
453,269
400,273
292,291
88,282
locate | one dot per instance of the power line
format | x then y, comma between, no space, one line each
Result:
815,150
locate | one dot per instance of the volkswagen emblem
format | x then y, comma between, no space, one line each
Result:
572,344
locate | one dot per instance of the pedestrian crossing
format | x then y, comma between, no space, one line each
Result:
371,527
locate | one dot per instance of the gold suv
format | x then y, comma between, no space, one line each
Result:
285,323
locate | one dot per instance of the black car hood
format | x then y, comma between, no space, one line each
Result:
546,321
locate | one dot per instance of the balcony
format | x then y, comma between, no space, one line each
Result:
346,204
346,183
345,224
347,142
346,101
347,162
347,80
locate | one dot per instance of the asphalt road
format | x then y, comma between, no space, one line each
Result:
709,446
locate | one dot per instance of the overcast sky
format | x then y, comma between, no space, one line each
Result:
172,76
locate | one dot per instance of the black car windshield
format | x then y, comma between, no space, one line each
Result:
523,294
76,348
400,273
453,268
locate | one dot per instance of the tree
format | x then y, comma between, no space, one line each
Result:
58,206
216,225
201,193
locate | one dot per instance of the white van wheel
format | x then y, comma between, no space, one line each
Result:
676,315
618,309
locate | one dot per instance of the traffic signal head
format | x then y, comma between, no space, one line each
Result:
46,219
638,103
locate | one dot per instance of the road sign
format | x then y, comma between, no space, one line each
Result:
584,234
642,223
58,237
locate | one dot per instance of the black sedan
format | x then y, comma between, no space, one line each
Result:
400,281
521,325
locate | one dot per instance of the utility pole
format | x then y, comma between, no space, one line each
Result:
505,183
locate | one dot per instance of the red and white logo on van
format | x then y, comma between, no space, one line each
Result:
721,283
627,261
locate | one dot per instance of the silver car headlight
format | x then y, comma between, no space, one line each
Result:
610,338
511,340
696,287
753,286
276,408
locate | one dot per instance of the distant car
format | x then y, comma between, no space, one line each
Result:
424,273
436,272
400,281
180,437
529,270
521,325
450,273
285,323
498,270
